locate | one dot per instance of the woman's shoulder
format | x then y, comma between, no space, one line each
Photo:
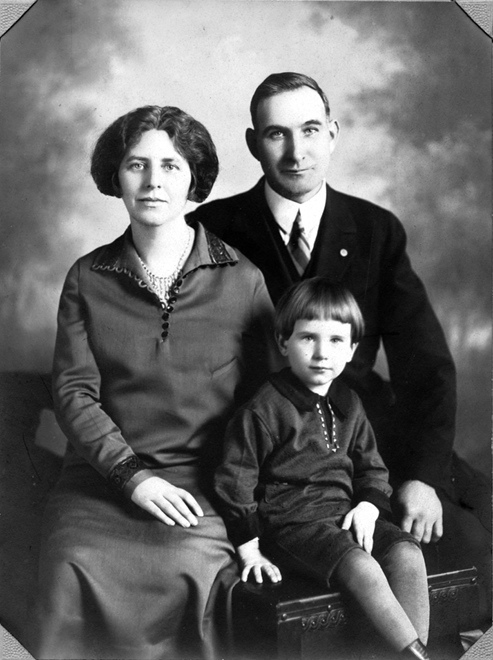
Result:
105,255
222,252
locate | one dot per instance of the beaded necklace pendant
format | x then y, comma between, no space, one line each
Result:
165,287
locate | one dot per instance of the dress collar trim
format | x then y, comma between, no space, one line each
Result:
121,255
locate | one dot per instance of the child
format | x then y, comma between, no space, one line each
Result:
301,471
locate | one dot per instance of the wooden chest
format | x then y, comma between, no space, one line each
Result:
300,620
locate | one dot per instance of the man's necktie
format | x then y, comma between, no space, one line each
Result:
298,245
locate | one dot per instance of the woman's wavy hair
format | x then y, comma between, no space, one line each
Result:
316,299
190,139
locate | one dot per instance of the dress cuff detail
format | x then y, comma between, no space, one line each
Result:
124,471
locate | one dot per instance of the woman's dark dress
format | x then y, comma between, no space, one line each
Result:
114,581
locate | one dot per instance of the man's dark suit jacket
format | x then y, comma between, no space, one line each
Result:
363,247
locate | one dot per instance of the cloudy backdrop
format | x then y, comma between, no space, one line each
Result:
409,82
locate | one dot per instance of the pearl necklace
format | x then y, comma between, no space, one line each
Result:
162,285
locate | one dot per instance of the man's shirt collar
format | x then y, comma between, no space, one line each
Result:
285,211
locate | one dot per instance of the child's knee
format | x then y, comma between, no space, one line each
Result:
404,556
356,567
407,550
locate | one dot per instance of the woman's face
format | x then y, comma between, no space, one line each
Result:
154,180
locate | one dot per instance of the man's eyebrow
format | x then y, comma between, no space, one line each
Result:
279,127
313,122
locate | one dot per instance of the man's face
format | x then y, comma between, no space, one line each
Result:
293,141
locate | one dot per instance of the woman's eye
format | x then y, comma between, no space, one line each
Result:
137,166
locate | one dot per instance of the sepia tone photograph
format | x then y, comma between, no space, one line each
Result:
185,186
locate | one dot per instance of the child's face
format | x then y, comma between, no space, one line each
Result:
318,351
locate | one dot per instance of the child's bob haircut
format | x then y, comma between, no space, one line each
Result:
317,299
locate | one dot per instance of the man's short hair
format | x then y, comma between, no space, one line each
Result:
190,139
317,299
277,83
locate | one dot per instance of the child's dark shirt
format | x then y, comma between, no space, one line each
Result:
279,466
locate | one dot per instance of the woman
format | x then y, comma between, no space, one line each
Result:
154,332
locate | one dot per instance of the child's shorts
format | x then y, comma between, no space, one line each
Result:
315,548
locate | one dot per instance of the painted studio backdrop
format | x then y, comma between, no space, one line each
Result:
410,84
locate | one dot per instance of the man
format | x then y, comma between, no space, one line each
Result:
292,225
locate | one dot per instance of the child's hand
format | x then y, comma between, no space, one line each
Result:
251,559
361,520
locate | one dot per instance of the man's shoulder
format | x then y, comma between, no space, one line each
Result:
246,201
358,206
108,251
233,201
372,224
234,218
223,252
216,213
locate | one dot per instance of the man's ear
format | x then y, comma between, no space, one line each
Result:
334,130
251,140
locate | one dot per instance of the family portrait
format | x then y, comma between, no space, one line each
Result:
245,368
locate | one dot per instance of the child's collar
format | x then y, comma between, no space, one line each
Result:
304,399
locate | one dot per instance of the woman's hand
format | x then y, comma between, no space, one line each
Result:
361,520
251,559
167,503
